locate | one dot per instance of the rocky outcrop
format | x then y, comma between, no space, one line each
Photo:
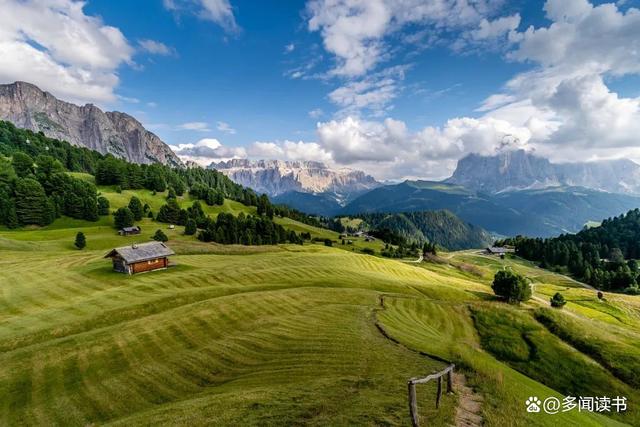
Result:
276,177
519,169
26,106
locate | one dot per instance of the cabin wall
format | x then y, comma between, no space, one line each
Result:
155,264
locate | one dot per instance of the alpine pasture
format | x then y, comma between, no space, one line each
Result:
287,334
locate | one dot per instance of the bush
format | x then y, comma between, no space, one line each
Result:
368,251
558,300
160,236
328,242
81,240
511,286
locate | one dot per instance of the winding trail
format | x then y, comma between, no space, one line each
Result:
469,409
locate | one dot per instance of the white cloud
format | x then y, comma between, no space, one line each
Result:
156,48
195,126
152,104
207,150
496,28
289,48
354,30
129,100
373,93
569,102
60,49
218,11
225,127
316,113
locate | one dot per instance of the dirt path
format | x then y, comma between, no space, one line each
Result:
469,411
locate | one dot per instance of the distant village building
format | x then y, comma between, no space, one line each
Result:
129,231
499,250
139,258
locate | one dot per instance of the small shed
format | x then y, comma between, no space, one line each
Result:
139,258
129,231
499,250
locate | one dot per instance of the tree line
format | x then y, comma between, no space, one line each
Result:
37,191
34,188
604,257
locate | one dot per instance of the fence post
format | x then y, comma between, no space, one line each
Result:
439,395
413,404
450,382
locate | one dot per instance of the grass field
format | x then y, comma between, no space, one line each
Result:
288,334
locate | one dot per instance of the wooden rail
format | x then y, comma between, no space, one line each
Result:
413,400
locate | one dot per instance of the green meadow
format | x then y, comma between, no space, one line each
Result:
289,334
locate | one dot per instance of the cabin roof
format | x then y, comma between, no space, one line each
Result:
497,250
141,252
134,228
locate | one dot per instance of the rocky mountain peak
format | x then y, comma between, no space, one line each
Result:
519,169
26,106
276,177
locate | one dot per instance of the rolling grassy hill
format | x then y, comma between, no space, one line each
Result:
288,334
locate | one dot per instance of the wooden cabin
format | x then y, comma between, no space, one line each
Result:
499,250
139,258
129,231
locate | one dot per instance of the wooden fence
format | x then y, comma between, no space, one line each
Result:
413,400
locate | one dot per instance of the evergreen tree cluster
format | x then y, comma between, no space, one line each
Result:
246,230
604,257
37,191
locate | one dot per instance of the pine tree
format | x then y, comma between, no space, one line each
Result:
81,240
103,206
135,206
190,227
123,217
23,164
31,202
160,236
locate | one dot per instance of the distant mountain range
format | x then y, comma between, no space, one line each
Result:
307,185
513,192
28,107
544,212
520,170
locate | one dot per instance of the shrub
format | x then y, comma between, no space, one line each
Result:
368,251
511,286
328,242
558,300
160,236
81,240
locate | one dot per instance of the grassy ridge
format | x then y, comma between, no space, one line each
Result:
276,334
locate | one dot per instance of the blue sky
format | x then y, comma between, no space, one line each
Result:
400,88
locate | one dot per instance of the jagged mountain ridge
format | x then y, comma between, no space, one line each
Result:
277,178
28,107
520,170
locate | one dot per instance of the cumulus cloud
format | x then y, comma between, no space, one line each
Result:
566,91
207,150
56,46
218,11
388,150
